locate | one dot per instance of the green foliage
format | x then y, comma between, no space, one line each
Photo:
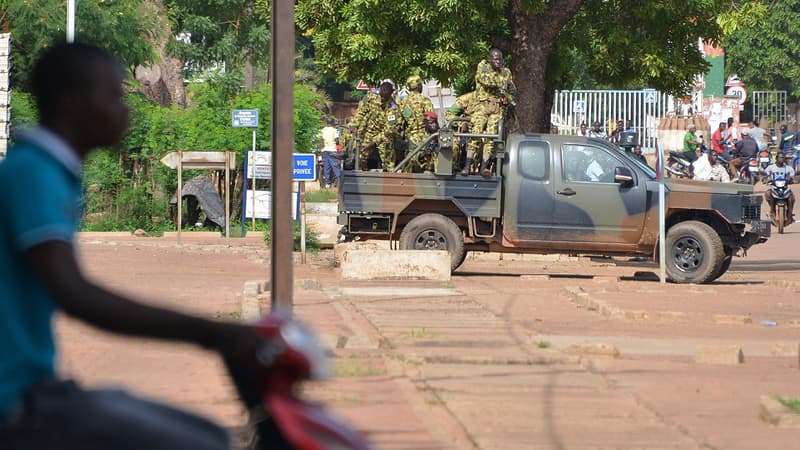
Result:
130,189
623,42
220,32
312,237
762,45
118,26
792,403
23,112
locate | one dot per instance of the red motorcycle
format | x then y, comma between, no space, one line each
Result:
279,418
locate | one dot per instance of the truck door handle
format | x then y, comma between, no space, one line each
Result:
567,192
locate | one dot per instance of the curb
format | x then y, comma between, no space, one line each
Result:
251,308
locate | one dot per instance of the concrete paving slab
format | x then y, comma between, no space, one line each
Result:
396,265
390,291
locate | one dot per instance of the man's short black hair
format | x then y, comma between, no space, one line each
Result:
386,86
64,69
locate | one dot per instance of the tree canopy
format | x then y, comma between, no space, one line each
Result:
117,26
619,41
761,45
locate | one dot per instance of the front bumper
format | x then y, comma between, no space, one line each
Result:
756,232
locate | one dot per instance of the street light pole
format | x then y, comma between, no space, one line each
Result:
70,21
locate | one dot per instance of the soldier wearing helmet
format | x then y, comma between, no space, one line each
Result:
413,108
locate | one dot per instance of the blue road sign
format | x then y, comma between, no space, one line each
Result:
304,167
245,118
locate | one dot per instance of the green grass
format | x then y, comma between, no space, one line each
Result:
543,344
321,196
422,333
792,403
357,371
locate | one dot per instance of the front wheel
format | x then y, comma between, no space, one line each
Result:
695,253
780,216
434,232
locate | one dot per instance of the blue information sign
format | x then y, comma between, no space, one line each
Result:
245,118
304,167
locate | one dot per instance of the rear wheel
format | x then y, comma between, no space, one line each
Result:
434,232
695,253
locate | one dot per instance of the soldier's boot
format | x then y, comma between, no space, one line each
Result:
467,166
485,171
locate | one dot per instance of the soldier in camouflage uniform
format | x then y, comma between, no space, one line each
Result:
377,122
495,90
413,108
464,106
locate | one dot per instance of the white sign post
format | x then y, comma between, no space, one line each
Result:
247,118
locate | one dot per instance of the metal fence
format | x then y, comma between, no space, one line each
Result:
769,104
643,108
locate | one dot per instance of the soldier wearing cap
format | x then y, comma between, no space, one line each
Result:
427,158
377,123
413,107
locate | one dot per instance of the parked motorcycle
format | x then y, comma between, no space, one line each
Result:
764,159
678,165
279,417
780,192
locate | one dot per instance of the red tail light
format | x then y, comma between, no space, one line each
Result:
764,154
753,162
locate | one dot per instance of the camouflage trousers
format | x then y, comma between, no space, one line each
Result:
420,162
484,120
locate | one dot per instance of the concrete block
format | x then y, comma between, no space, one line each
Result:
340,249
732,319
593,349
719,354
396,265
775,413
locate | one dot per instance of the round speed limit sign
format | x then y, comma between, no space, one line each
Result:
738,91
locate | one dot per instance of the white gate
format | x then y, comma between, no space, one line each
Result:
643,108
769,104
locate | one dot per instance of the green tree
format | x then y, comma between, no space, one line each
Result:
222,33
761,44
117,26
620,41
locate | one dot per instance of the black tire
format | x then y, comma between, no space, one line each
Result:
780,217
434,232
463,258
726,264
695,253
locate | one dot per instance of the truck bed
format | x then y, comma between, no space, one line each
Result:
391,193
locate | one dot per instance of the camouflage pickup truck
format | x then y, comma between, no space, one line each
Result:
556,194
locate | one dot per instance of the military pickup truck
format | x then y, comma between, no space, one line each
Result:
555,194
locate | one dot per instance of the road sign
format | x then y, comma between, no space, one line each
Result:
362,86
304,167
650,97
579,106
244,118
262,204
259,165
738,91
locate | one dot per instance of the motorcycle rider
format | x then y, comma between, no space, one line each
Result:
787,140
717,141
690,144
745,150
781,169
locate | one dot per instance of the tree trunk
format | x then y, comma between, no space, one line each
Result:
533,38
161,82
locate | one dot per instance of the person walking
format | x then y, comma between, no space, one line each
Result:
330,165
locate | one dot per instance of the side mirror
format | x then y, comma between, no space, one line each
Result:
623,176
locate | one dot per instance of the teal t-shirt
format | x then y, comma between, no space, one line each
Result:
39,202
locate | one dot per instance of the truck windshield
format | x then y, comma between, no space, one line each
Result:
647,169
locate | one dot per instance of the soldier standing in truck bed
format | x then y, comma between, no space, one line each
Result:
495,90
377,122
413,108
464,106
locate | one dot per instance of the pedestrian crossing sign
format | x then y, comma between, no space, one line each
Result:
650,97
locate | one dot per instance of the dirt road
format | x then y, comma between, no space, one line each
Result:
495,359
